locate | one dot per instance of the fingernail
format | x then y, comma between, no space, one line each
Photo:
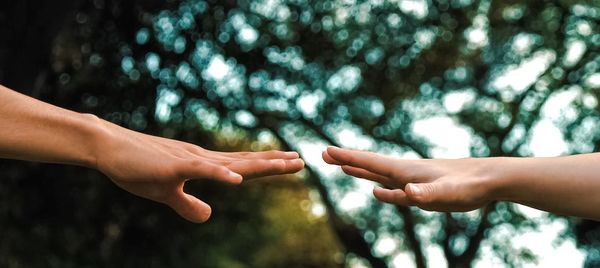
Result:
294,154
415,189
235,175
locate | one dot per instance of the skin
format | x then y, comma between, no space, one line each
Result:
148,166
566,185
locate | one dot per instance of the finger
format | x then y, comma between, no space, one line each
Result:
189,207
197,169
424,193
262,167
273,154
365,174
370,161
329,160
396,196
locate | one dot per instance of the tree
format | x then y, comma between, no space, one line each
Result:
57,216
363,74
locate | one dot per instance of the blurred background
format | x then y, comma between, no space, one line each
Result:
409,78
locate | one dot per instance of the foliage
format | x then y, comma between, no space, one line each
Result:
440,78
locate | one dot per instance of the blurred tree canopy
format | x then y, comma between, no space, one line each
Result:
411,78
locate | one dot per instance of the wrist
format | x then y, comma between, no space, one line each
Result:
98,137
502,182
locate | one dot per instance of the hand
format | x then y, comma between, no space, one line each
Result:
437,185
157,168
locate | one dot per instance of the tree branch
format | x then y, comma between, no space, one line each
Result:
409,223
469,254
411,235
449,228
348,234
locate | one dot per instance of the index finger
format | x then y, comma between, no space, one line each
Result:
263,167
273,154
366,160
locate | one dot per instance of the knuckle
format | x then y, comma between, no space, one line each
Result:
220,171
196,163
191,165
193,148
271,166
280,165
427,195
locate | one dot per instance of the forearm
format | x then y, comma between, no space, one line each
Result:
37,131
564,185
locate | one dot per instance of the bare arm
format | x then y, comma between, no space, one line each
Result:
565,185
149,166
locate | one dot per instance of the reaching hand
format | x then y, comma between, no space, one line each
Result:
151,167
157,168
439,185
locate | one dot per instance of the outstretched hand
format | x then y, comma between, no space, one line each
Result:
157,168
437,185
151,167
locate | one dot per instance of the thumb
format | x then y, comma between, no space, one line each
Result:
190,207
422,193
